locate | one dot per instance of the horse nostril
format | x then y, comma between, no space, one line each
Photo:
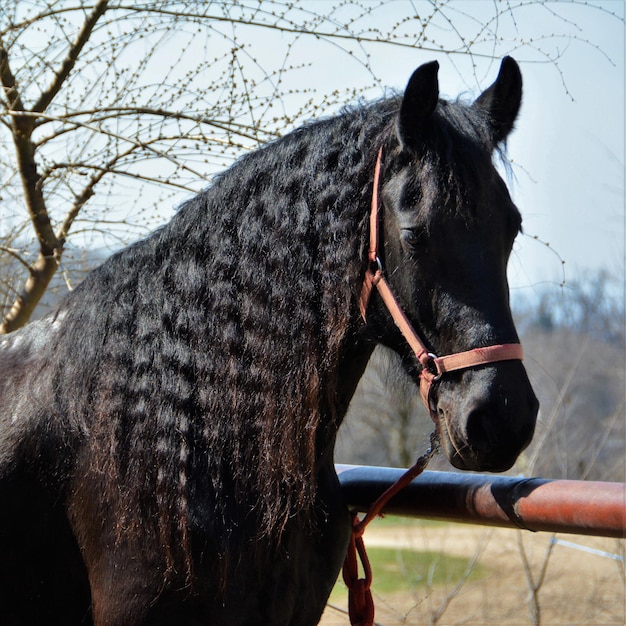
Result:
480,431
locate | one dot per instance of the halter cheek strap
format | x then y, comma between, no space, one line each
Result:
433,367
360,603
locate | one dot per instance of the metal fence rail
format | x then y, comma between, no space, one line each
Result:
566,506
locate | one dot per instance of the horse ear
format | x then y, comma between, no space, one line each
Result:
501,102
420,99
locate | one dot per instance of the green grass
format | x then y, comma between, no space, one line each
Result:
399,570
394,521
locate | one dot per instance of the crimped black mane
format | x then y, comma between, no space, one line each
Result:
203,358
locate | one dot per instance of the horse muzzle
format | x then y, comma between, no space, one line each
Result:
485,416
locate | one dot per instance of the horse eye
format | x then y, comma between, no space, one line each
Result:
414,239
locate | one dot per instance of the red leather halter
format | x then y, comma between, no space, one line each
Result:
433,367
360,601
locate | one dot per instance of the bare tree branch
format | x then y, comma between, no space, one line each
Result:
69,62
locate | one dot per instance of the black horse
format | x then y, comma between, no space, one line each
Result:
166,436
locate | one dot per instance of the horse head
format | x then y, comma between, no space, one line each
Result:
447,229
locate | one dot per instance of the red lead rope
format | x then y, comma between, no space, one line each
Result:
360,602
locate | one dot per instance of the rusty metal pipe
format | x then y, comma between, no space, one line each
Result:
537,504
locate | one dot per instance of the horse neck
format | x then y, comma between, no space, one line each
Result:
352,361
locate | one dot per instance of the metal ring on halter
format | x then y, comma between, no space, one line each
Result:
439,374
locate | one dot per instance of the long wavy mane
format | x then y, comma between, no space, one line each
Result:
202,361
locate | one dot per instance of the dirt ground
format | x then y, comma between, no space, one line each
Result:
579,587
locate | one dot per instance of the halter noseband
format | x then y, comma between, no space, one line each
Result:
433,367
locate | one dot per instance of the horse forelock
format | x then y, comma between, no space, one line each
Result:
452,163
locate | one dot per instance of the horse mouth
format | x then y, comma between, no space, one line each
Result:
455,452
464,456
